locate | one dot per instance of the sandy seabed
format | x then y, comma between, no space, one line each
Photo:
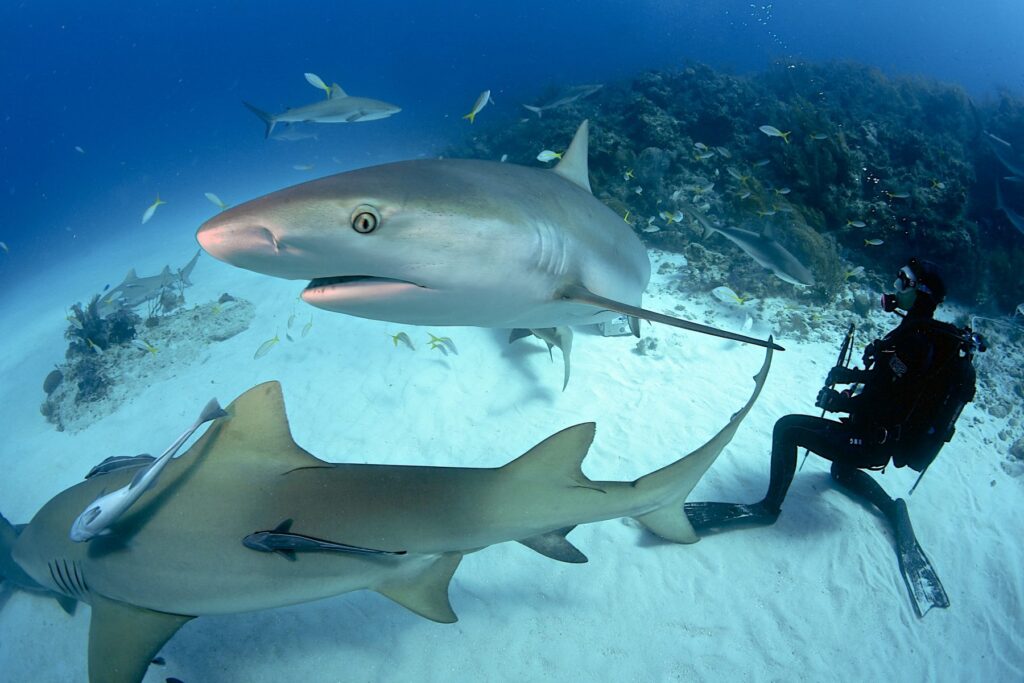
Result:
818,596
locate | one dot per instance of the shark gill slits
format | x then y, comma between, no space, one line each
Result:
365,219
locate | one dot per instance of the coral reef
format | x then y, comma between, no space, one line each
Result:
864,157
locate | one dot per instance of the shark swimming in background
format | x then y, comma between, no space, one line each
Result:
577,92
340,107
761,247
207,538
134,290
450,242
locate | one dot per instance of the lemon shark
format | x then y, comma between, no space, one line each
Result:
197,542
450,242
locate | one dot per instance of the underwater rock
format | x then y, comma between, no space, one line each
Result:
96,383
1017,449
224,298
52,381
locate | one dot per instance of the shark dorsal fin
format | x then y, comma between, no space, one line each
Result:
131,276
573,166
336,91
284,527
558,456
256,428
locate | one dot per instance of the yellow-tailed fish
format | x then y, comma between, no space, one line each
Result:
726,295
704,156
265,347
700,146
291,320
79,149
308,326
737,175
745,194
626,218
875,242
773,132
723,152
762,162
152,209
5,248
938,185
764,213
445,344
480,103
855,272
303,167
628,174
318,82
216,200
783,191
857,224
897,195
143,345
94,346
404,338
819,136
638,189
547,155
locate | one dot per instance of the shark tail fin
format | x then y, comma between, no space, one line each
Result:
267,119
536,110
672,484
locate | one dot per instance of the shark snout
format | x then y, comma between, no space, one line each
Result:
238,243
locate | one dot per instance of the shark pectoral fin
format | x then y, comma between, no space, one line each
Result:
581,294
123,639
427,593
669,523
518,333
286,554
69,605
554,545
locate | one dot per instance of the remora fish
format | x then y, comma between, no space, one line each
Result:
449,242
763,249
178,553
107,509
577,92
285,542
338,108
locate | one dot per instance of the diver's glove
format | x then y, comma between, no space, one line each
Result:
839,375
833,401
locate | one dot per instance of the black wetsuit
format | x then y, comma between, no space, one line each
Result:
867,439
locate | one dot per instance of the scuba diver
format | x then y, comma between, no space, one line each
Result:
915,381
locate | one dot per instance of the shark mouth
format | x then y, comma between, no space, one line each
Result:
355,280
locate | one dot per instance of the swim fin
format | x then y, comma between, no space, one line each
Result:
923,583
723,516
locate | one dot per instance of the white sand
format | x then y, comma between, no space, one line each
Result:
816,597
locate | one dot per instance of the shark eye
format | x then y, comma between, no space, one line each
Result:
365,219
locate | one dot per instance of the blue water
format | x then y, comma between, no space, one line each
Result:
152,91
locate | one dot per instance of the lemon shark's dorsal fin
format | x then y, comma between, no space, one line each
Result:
573,166
558,456
256,427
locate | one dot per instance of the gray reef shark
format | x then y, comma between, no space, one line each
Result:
1015,218
134,290
577,92
180,552
761,247
450,242
1004,151
340,107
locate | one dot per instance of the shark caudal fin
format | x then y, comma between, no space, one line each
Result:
267,119
673,483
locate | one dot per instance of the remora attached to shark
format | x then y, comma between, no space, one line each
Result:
450,242
181,552
340,107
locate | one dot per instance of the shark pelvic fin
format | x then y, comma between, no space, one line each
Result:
573,166
123,639
256,428
554,545
583,295
427,593
562,338
670,523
